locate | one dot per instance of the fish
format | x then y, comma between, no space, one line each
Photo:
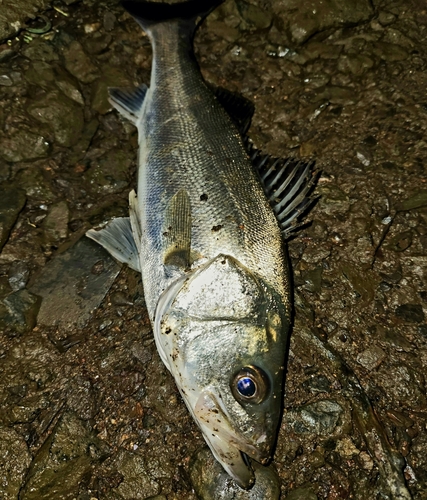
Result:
206,230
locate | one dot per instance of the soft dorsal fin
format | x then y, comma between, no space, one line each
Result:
116,237
128,102
287,185
177,231
238,107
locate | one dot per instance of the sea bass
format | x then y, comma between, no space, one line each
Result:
206,232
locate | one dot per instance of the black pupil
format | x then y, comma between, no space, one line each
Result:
246,387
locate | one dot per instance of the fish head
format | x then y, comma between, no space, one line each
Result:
223,335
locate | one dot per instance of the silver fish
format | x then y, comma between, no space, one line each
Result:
206,232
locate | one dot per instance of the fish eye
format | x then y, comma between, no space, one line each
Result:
250,385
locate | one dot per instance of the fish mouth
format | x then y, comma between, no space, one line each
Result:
231,451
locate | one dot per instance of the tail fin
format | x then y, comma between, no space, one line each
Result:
148,13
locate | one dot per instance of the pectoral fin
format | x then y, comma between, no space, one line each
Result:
117,238
177,231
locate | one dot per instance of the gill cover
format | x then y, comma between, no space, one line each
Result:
222,333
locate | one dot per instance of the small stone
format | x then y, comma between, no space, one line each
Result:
18,275
109,174
55,223
303,20
40,50
371,358
364,156
21,310
23,145
136,482
40,73
313,280
365,461
416,200
385,18
222,30
254,15
98,43
357,64
412,313
79,64
319,418
333,198
62,116
69,89
390,51
36,186
318,384
346,448
5,81
109,21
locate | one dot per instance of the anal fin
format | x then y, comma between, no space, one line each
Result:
116,237
128,102
177,231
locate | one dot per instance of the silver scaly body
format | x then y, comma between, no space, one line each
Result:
209,246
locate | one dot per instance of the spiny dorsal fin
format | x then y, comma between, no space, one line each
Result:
287,185
128,102
177,231
238,107
116,237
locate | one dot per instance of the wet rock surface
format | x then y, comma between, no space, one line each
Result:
88,410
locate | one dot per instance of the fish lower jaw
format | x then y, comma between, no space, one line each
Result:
235,458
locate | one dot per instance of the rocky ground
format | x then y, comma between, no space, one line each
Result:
87,409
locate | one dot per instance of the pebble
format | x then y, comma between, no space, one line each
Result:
412,313
320,418
415,200
23,145
371,358
18,275
55,224
19,311
62,116
79,64
320,15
